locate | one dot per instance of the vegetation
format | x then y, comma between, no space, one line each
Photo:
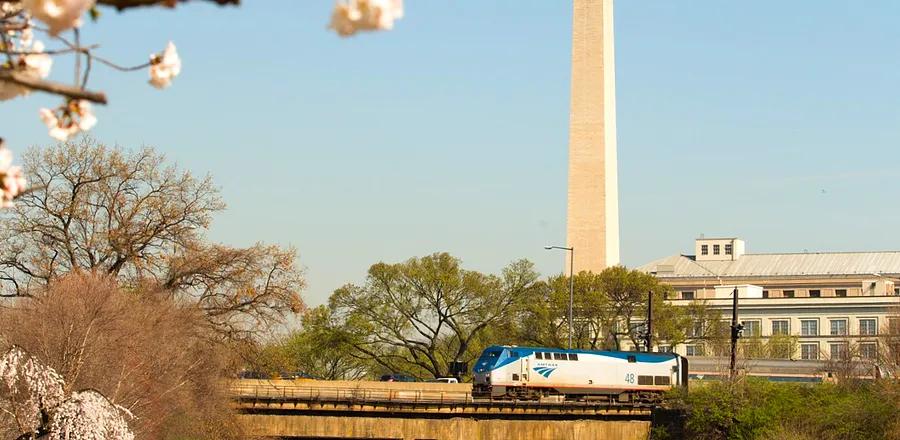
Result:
146,353
111,286
757,409
419,316
140,220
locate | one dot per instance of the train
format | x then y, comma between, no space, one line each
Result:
538,373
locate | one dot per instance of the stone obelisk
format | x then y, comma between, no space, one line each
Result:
593,208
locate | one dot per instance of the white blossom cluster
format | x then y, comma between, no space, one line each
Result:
352,16
59,15
28,58
88,415
164,67
34,386
29,61
33,389
12,179
69,119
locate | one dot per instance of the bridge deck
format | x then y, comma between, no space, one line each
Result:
261,396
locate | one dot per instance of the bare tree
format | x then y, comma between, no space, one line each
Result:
140,349
134,217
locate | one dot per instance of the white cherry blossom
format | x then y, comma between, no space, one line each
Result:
88,415
351,16
38,63
68,120
35,64
164,67
59,15
33,385
12,178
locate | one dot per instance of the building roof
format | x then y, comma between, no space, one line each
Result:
870,264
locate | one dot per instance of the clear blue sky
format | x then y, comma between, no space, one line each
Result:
450,132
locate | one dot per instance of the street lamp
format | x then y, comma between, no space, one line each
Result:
571,251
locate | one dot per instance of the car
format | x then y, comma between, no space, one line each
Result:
393,377
250,374
445,380
295,375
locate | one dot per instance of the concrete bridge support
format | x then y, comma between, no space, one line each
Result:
408,428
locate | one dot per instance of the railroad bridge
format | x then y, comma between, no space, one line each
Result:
311,409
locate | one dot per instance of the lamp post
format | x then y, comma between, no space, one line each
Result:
571,251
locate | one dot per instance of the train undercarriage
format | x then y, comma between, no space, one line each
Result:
545,394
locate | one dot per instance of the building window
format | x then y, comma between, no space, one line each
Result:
809,351
781,327
715,249
868,350
704,249
696,330
815,293
693,350
894,326
765,293
867,326
840,292
788,293
665,349
809,327
728,249
838,327
838,350
751,328
896,290
687,294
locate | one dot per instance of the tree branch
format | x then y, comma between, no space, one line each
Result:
52,87
126,4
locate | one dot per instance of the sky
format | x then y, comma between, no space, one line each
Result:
777,122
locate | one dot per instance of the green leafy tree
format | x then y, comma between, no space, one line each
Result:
609,308
418,316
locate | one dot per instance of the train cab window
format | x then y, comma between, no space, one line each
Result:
493,354
573,357
632,358
559,356
537,355
514,354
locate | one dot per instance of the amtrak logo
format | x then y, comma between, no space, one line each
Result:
545,371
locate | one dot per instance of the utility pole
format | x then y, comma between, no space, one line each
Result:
648,337
736,331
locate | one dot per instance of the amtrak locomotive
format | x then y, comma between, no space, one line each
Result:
529,373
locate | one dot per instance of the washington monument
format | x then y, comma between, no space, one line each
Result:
593,202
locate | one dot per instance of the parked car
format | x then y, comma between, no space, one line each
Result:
249,374
397,378
295,375
445,380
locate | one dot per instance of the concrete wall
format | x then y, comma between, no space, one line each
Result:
439,429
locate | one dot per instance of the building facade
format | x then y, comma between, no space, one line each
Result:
833,305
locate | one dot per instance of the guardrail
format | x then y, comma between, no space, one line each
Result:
261,395
300,392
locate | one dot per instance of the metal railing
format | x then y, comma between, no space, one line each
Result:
277,393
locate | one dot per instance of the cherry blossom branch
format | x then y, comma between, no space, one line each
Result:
52,87
126,4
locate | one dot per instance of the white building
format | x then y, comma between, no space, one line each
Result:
833,304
